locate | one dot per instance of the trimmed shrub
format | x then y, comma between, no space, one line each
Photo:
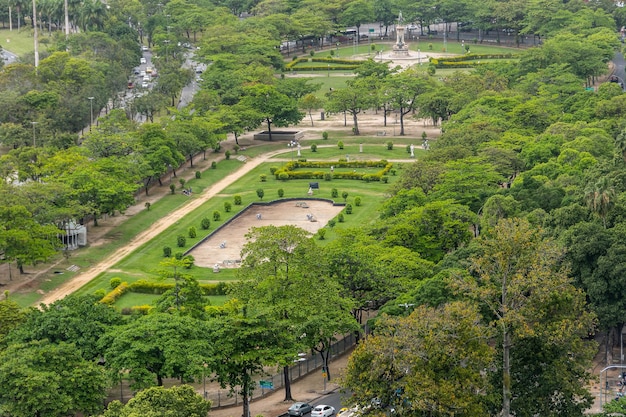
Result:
167,252
273,170
213,165
179,255
393,172
114,282
237,199
182,182
340,145
357,201
236,148
325,135
344,195
332,223
408,149
189,261
172,189
198,175
384,179
281,192
227,154
205,223
100,293
313,148
327,176
114,295
321,234
334,193
340,218
216,216
263,177
181,241
191,232
390,146
227,206
348,208
283,176
260,193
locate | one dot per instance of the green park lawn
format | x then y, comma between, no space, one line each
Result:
143,263
19,42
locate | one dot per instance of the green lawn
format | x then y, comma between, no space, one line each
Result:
19,42
143,263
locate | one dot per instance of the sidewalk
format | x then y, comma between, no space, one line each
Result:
306,389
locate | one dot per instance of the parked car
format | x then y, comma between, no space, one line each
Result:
412,26
144,48
146,78
299,409
142,60
130,85
136,71
148,70
144,85
323,410
142,73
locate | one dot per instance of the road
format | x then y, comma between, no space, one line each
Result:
619,68
8,57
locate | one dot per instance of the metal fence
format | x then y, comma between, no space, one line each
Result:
302,367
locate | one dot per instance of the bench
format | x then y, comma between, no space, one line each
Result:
382,133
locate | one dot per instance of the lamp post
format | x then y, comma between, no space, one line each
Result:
204,379
166,42
328,70
292,145
34,138
91,112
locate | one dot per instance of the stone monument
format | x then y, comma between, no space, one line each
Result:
400,49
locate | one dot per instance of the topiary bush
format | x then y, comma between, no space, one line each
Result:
205,223
213,165
167,252
260,193
198,175
114,282
179,255
348,208
281,192
357,201
328,176
325,135
227,154
332,223
340,218
216,216
273,170
263,177
340,145
313,148
181,241
283,176
172,189
191,232
227,206
237,199
344,195
334,193
182,182
321,234
390,146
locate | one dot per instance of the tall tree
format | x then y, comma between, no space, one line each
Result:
177,401
518,276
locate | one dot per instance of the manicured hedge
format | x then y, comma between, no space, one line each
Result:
467,61
335,64
146,287
289,168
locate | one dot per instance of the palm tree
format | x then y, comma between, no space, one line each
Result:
91,15
599,196
620,143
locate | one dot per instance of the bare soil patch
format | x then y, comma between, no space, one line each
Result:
210,253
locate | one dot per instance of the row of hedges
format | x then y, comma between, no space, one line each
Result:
338,64
145,287
466,61
288,173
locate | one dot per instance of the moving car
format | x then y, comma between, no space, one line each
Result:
299,409
148,70
142,60
144,48
323,410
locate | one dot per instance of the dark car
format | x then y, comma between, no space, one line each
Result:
299,409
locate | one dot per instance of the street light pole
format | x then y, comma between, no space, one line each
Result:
91,112
166,42
34,139
204,379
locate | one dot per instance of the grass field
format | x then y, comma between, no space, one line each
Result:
19,42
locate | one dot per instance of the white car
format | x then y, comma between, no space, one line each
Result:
323,411
142,73
142,61
146,78
144,85
144,48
